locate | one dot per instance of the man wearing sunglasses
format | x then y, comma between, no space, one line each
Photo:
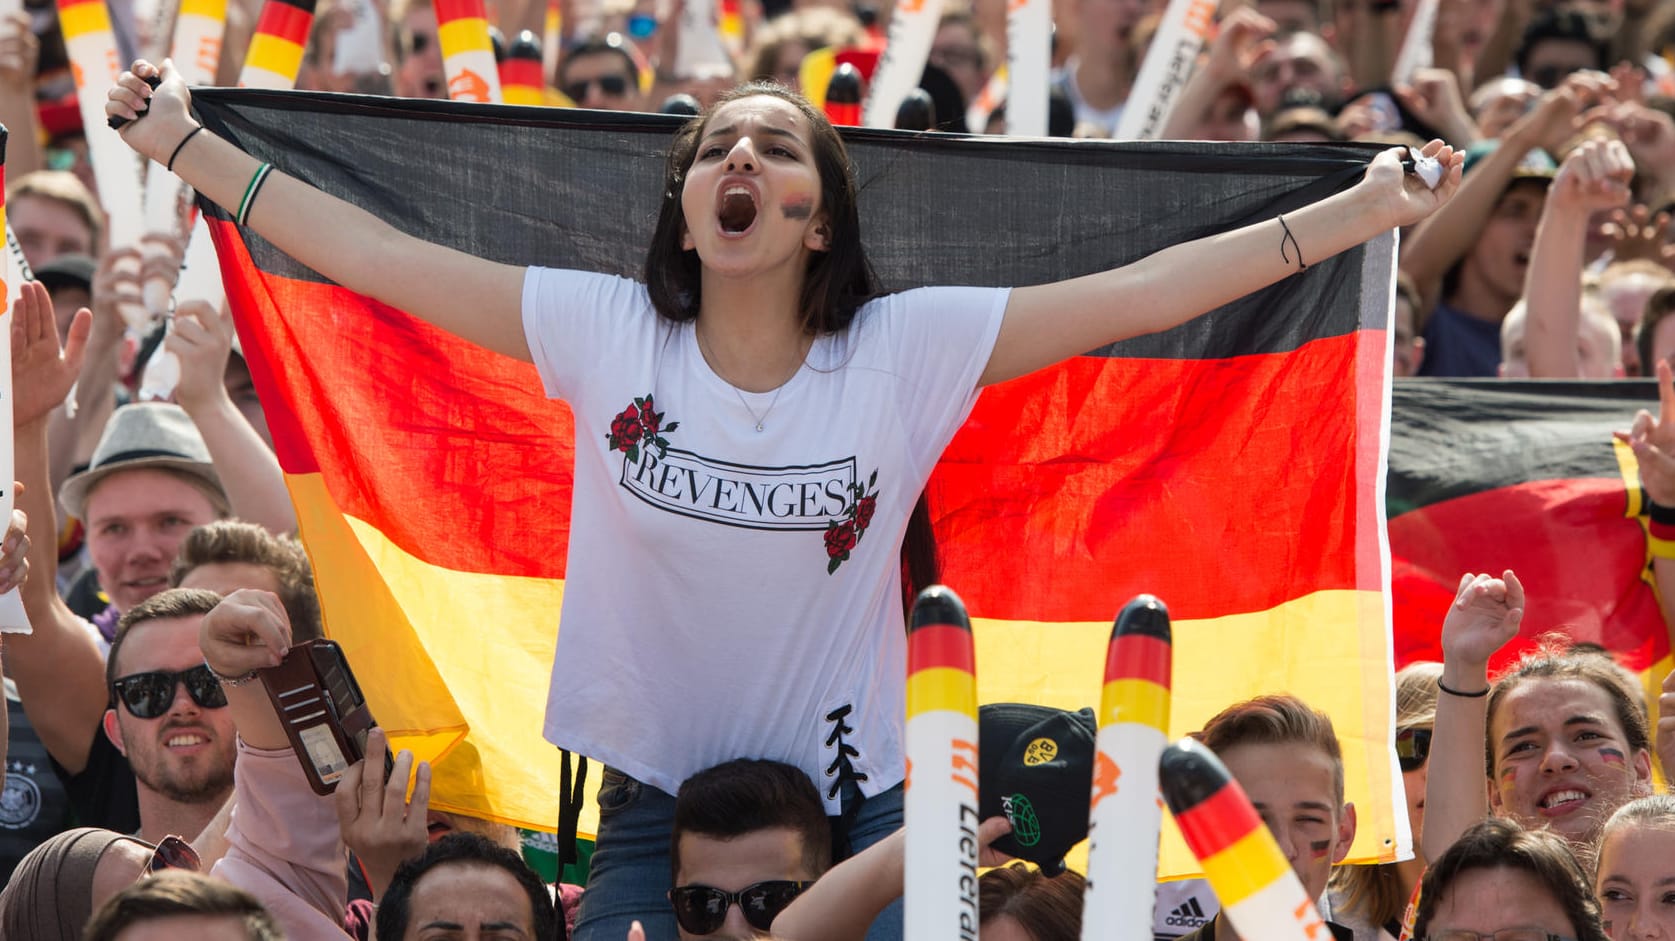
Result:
601,74
168,717
749,836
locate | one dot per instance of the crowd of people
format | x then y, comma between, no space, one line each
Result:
151,786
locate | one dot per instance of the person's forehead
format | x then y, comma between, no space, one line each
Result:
1283,774
1547,703
143,492
595,64
736,862
470,890
758,110
1492,899
1640,851
224,578
160,644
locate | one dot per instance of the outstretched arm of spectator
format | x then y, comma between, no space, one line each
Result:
1450,232
1485,615
1240,44
202,338
19,53
1666,727
59,669
1047,323
1594,176
283,844
1496,55
842,905
1653,443
1369,49
478,300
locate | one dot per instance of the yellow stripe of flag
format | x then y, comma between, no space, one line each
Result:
468,34
272,54
1140,701
941,689
209,9
1245,868
79,19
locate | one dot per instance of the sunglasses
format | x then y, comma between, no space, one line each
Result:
173,853
702,909
1413,746
614,85
149,695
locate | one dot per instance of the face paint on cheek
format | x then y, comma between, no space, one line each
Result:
1319,848
1507,774
798,207
1612,756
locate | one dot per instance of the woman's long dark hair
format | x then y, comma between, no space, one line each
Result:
838,281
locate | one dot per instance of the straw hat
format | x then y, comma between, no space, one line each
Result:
147,435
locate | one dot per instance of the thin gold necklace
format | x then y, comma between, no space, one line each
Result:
761,419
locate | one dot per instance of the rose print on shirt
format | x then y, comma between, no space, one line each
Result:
844,533
639,423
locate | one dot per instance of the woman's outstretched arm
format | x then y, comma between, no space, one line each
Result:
1051,322
481,301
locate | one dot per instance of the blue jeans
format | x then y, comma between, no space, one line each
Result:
630,873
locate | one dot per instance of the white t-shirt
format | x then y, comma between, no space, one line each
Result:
734,593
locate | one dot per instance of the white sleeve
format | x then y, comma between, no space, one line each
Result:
939,340
576,321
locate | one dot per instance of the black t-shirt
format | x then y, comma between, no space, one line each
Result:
34,804
104,794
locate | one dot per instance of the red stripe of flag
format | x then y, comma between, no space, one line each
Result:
940,645
284,21
67,4
449,10
1218,821
1217,485
521,72
1138,657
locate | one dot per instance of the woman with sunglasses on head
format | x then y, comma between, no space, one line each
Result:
59,885
1635,874
1372,899
755,424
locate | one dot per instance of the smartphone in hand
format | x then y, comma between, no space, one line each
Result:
323,711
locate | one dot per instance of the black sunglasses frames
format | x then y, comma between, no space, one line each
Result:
702,909
149,695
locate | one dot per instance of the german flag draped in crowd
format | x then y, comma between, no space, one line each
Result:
1231,466
1487,475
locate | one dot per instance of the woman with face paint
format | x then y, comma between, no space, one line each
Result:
754,423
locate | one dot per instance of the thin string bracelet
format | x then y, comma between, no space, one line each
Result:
1454,692
1288,237
251,191
181,146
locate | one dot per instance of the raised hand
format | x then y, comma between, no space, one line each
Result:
1595,175
247,631
1636,233
202,339
1485,615
14,551
1408,197
42,372
379,823
1653,441
1433,96
166,110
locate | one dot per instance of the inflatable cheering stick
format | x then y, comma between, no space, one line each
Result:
941,801
275,54
843,98
1125,816
1258,890
520,74
917,112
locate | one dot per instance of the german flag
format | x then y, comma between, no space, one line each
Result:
1487,475
1231,466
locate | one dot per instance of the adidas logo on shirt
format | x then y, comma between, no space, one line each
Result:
1190,915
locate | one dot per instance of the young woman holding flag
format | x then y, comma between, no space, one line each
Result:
754,424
